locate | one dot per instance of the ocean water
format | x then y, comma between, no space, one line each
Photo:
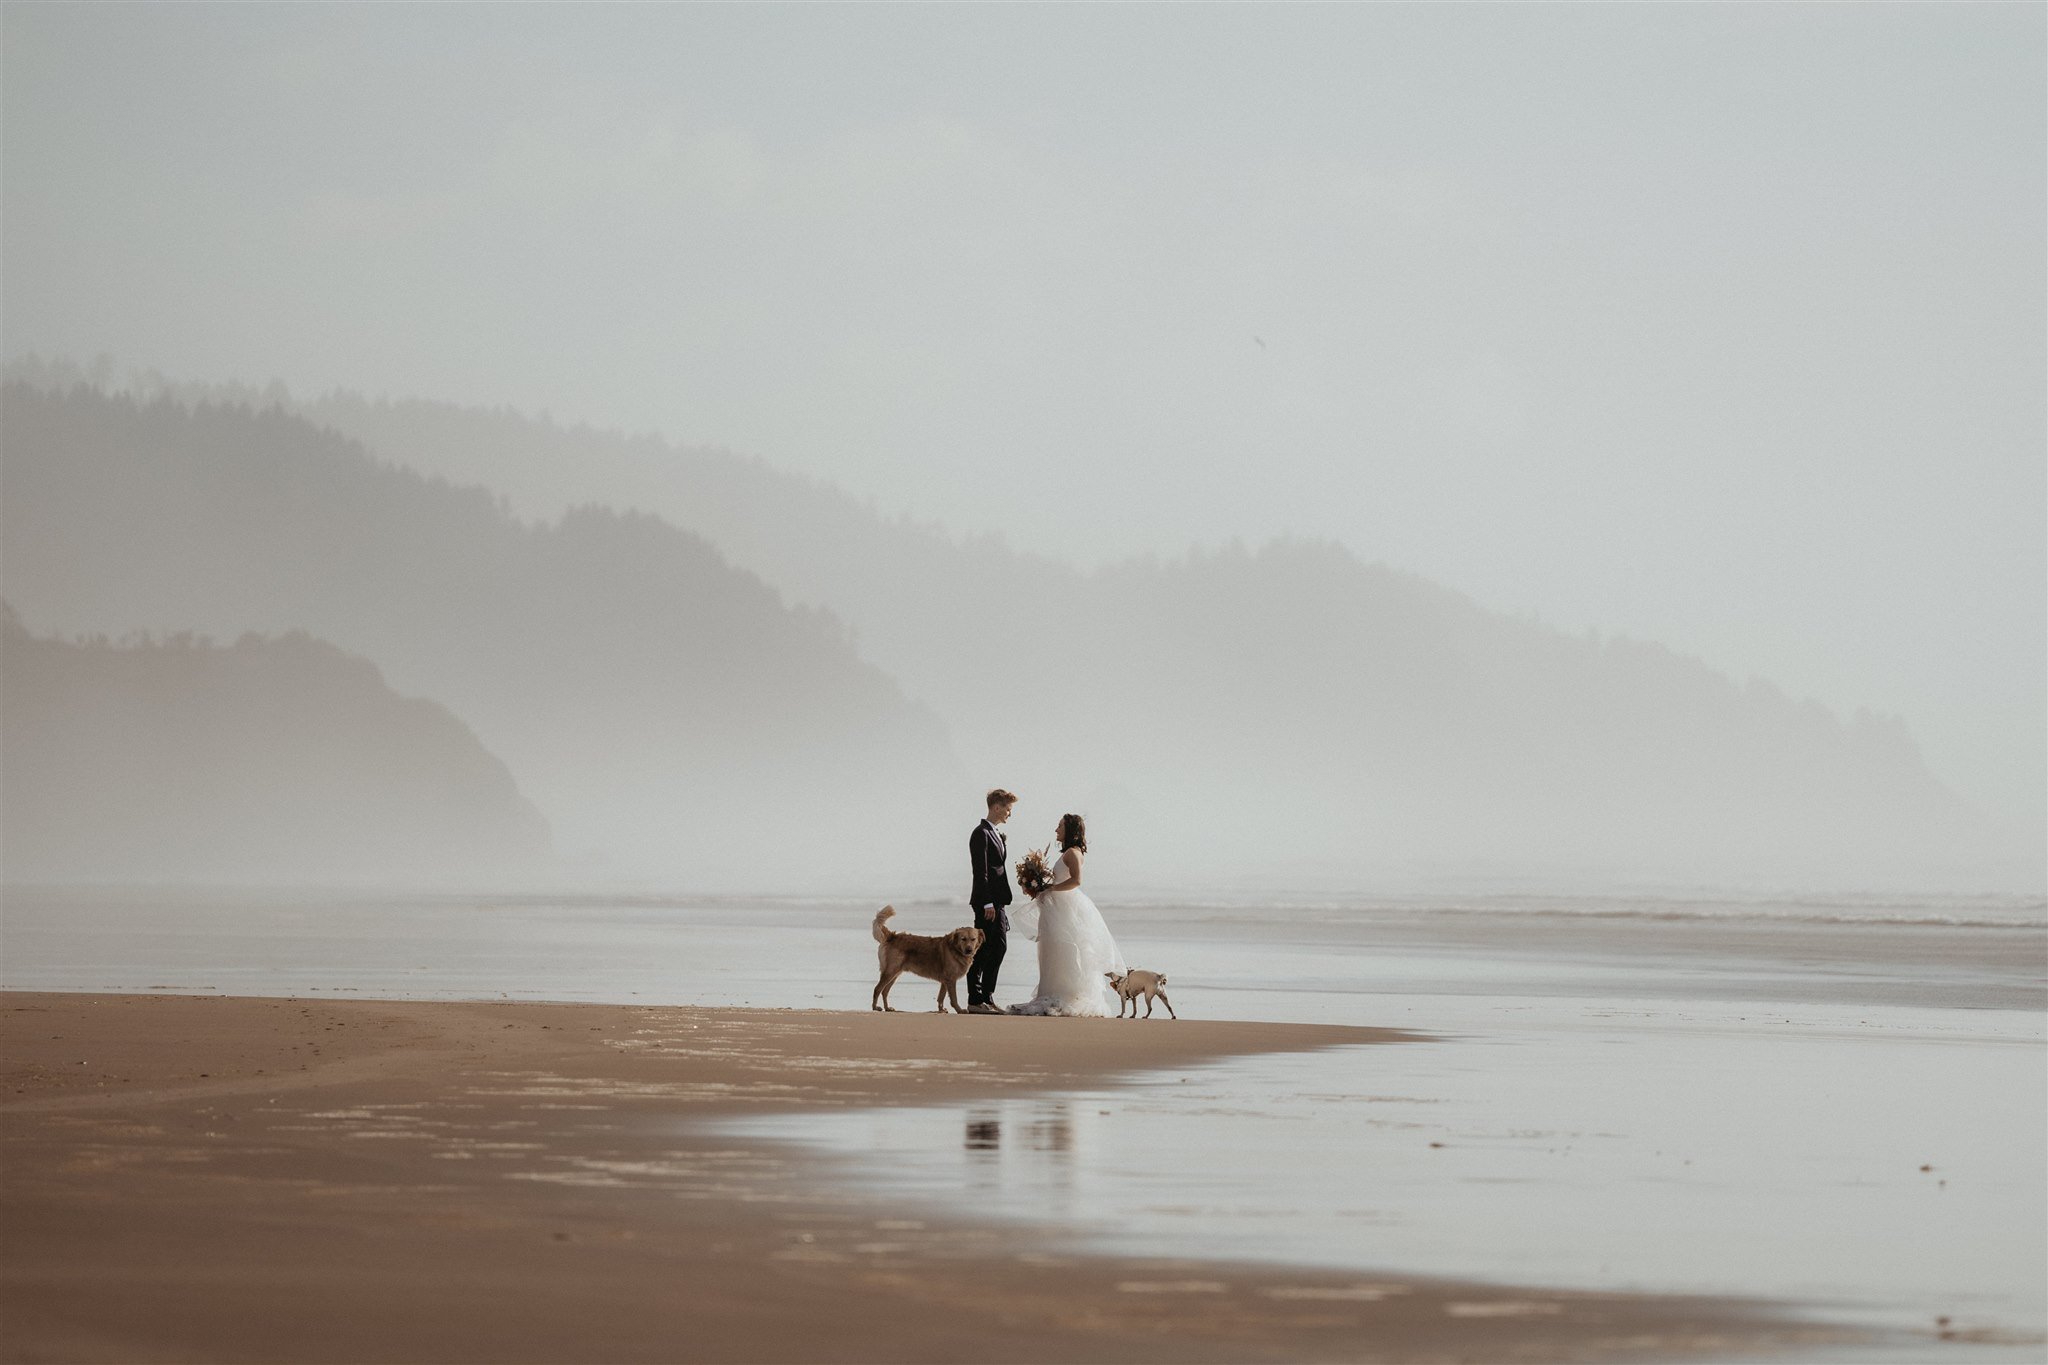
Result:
1836,1103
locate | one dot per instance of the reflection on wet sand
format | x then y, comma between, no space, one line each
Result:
1048,1128
1052,1131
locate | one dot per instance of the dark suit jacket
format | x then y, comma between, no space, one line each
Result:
987,849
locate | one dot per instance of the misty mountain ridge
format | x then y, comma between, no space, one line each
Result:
1288,711
274,758
663,707
1358,709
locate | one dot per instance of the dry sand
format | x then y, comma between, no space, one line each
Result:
209,1178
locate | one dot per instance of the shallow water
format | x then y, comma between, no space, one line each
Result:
1609,1144
1724,1096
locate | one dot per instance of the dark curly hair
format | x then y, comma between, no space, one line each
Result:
1073,832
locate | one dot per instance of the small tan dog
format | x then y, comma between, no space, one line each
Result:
944,958
1131,985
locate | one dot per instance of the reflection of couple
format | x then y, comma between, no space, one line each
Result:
1075,951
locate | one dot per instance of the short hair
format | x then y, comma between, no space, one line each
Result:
999,797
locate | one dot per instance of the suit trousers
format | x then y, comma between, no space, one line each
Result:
988,962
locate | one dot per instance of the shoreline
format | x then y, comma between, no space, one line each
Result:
292,1178
601,949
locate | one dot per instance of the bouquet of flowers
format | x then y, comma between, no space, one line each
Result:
1032,874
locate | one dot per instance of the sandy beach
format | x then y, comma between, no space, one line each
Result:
292,1179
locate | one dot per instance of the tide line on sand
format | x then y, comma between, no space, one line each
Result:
293,1179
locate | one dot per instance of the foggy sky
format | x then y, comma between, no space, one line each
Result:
1721,326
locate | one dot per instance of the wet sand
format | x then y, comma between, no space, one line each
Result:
286,1179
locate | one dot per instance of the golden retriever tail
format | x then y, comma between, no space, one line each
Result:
883,933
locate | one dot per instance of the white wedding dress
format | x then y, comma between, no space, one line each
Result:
1075,951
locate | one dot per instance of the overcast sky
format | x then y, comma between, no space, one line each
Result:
1717,325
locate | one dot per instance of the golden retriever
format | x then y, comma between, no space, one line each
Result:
943,958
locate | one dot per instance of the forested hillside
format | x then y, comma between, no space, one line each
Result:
663,708
281,759
1283,711
1286,712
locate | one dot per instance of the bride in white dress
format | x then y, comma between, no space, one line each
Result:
1075,949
